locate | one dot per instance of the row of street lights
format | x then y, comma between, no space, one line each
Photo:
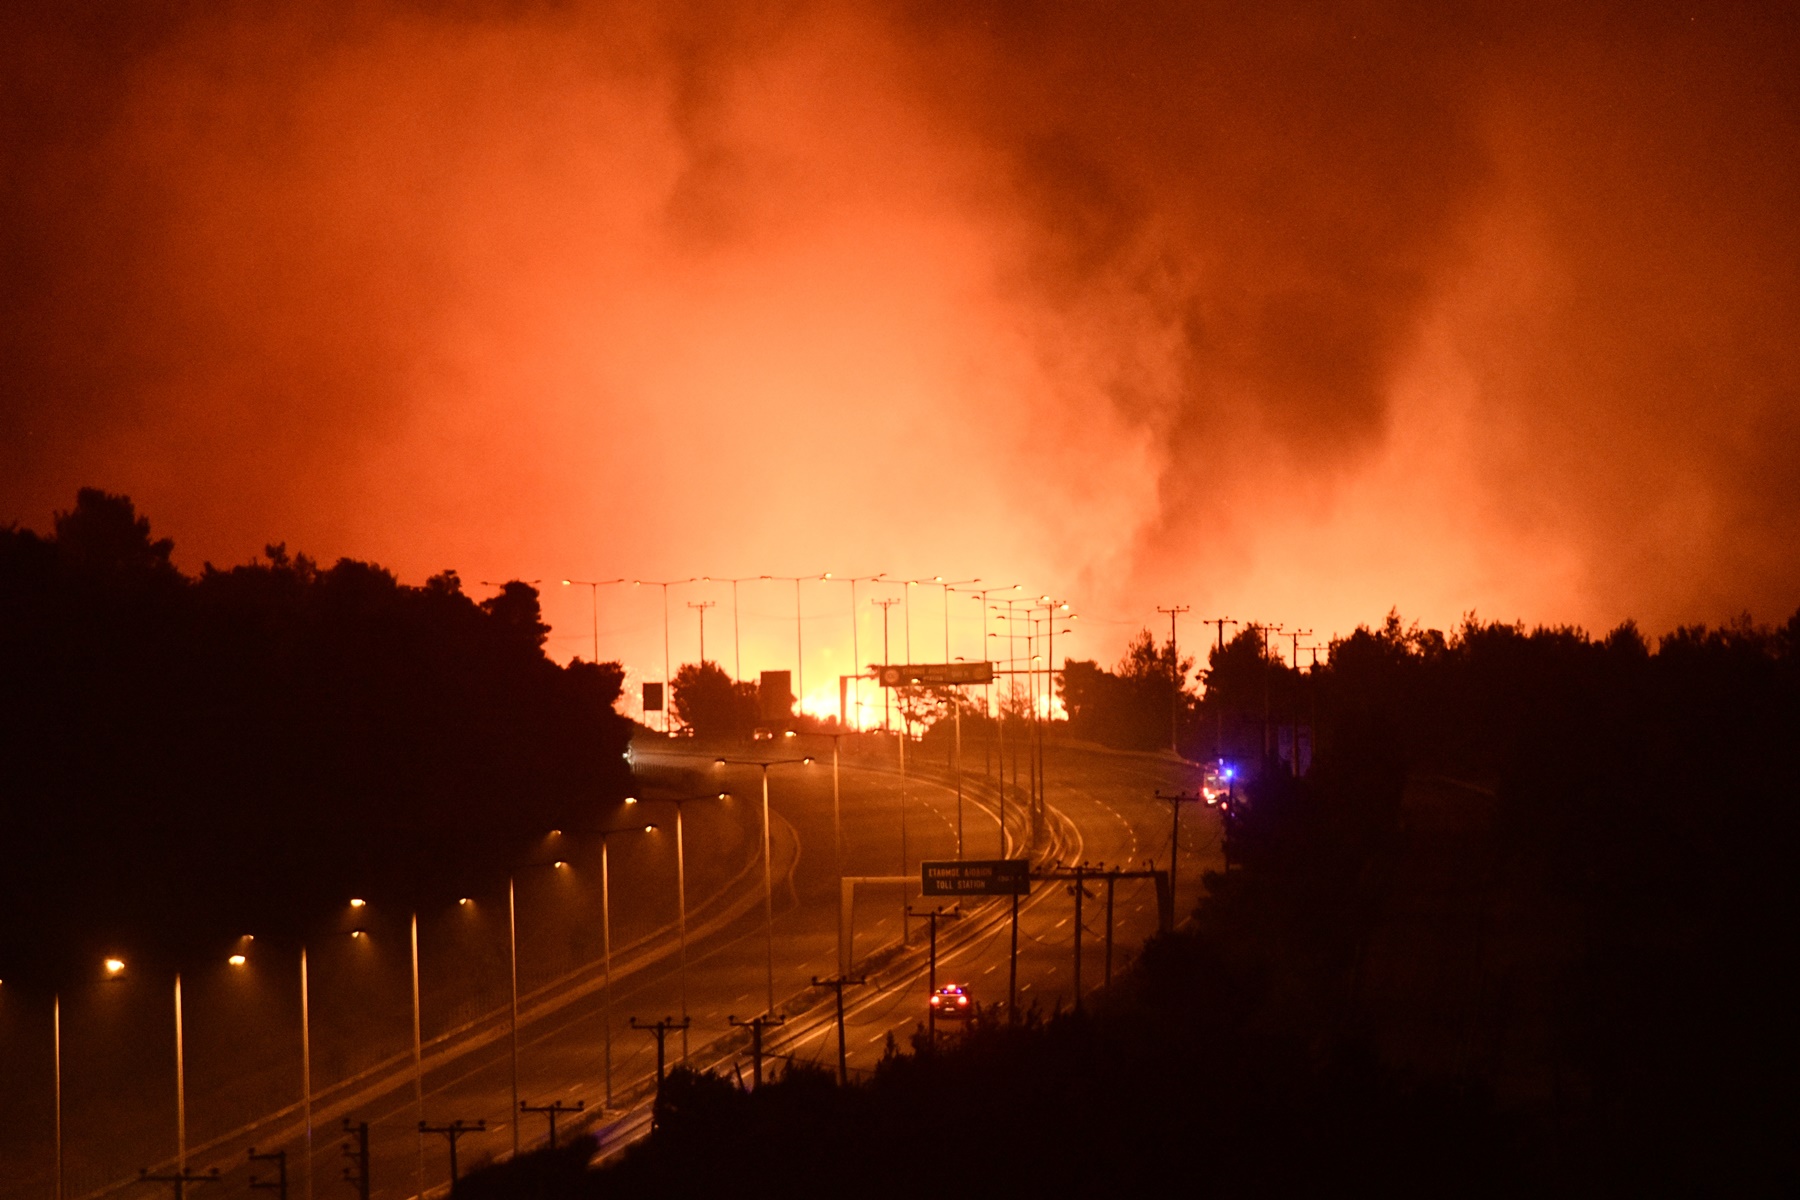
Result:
115,967
963,586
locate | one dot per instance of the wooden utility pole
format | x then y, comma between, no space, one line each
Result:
278,1185
933,915
1174,677
1218,710
756,1025
454,1132
553,1110
1296,635
660,1030
356,1149
700,607
1176,800
179,1179
837,983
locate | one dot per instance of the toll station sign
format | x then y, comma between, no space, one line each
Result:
934,674
977,877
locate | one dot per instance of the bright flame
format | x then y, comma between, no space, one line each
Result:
357,903
237,960
114,965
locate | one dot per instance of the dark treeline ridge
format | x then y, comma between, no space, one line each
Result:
187,759
1521,928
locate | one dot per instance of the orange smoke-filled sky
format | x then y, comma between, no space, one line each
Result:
1286,312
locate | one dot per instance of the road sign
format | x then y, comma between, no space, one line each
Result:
934,674
977,877
775,696
653,697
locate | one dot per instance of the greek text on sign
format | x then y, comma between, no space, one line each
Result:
977,877
934,674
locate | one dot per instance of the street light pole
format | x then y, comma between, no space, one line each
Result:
768,877
606,940
667,682
512,953
856,662
180,1087
887,704
418,1057
56,1044
593,586
306,1068
799,651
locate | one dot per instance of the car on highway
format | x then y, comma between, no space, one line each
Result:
951,1002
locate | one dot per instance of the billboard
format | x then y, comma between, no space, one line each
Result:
934,674
775,696
653,697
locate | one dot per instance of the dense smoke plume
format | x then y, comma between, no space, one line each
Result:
1292,312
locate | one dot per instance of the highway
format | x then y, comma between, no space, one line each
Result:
1101,810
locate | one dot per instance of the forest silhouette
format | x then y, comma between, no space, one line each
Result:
187,759
1523,927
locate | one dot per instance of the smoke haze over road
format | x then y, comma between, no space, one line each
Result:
1287,311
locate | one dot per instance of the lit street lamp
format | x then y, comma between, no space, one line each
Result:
606,936
799,656
856,662
681,895
667,682
768,879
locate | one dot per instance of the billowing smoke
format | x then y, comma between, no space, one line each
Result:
1293,312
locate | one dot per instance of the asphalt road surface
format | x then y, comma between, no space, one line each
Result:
1102,810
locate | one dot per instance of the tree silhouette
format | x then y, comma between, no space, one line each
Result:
707,701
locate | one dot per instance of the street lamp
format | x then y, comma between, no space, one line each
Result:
418,1046
980,595
799,656
606,935
856,663
768,880
681,895
593,586
665,585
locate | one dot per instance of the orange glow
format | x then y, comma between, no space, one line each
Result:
1195,307
237,960
114,965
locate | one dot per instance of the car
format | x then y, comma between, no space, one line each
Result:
761,734
951,1002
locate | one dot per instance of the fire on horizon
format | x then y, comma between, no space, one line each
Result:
1304,312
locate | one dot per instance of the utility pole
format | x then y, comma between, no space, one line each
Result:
837,983
278,1185
1012,966
1174,676
660,1031
1176,800
552,1110
179,1179
1296,635
700,606
756,1025
1080,891
933,915
1263,649
1219,711
1112,879
887,694
454,1132
356,1149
